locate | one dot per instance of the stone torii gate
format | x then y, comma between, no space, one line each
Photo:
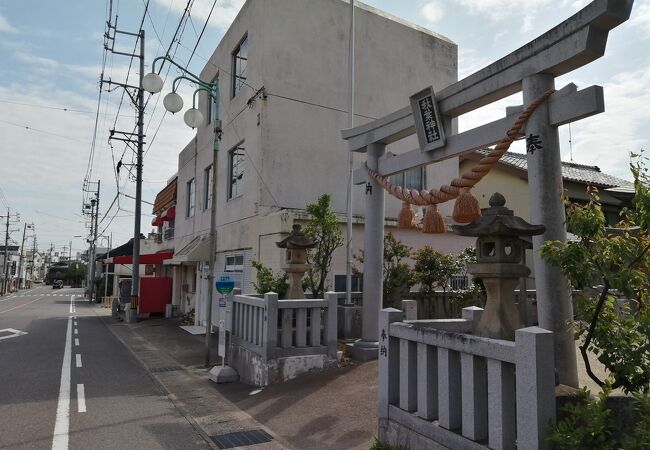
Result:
531,69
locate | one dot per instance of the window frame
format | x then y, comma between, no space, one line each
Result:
240,174
234,266
399,178
239,75
190,207
356,280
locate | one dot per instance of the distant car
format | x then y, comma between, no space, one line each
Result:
57,284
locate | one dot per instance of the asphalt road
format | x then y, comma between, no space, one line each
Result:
67,382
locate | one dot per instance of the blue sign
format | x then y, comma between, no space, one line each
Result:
224,284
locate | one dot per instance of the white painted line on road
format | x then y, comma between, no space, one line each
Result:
78,356
81,398
75,323
76,342
76,331
62,425
13,331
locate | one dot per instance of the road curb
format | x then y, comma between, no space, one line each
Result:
190,392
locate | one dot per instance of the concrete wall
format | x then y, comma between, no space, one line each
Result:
293,148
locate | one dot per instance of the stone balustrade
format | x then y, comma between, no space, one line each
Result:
274,340
441,385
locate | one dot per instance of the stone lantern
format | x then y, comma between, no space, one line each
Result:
500,251
296,245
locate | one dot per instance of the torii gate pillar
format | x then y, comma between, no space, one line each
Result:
554,307
367,347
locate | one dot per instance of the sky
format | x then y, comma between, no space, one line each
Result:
54,125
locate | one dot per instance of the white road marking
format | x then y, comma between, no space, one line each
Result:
73,307
62,425
13,331
78,356
75,323
76,342
81,398
76,331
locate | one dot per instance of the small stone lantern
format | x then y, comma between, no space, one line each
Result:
296,265
499,253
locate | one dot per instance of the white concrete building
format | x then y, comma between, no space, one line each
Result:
282,72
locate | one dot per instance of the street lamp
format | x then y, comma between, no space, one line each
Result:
193,118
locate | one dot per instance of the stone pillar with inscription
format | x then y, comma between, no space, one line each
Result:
545,187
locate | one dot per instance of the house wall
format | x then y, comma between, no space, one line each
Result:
293,147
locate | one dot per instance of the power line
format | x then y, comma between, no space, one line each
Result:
58,108
29,128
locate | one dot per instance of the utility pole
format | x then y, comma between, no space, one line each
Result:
6,266
348,244
6,253
92,239
137,98
33,258
110,245
22,252
92,264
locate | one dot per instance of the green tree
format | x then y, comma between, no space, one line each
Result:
75,273
397,274
323,229
603,262
268,281
434,269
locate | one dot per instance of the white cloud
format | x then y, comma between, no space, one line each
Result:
524,18
640,19
470,60
37,60
5,26
432,11
224,12
607,139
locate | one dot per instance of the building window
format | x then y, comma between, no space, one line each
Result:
236,176
212,108
207,188
239,63
340,284
234,263
410,179
191,196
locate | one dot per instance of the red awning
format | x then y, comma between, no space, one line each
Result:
157,221
152,258
170,214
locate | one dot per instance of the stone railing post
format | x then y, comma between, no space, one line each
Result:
473,314
270,334
331,298
535,386
388,380
410,308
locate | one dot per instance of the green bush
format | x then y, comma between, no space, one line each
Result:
587,424
268,281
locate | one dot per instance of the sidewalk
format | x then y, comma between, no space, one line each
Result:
332,410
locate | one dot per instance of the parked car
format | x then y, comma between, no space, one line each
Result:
57,284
